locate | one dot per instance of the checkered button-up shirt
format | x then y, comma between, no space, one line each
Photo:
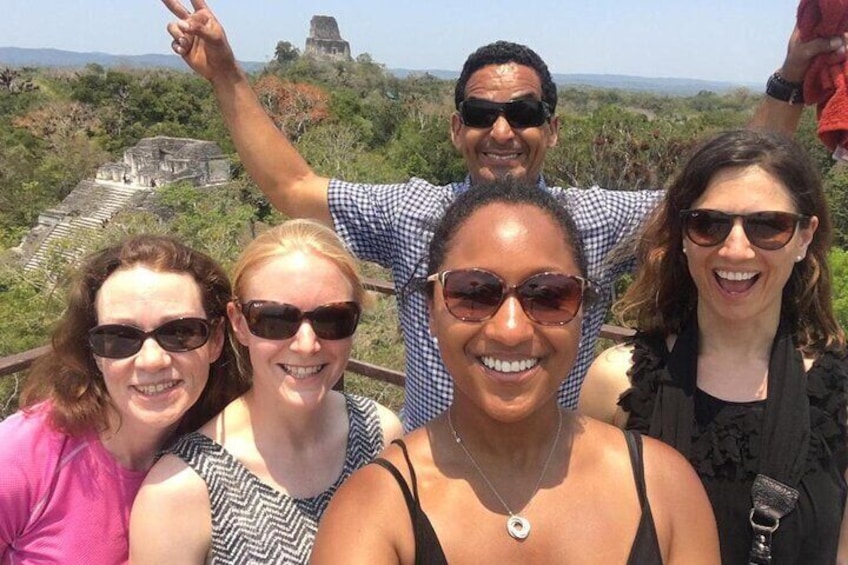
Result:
392,225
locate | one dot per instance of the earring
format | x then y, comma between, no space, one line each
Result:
435,340
799,258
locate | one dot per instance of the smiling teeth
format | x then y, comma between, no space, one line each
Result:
302,372
509,157
509,366
735,276
150,390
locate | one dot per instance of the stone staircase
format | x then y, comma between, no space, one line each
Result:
66,229
65,232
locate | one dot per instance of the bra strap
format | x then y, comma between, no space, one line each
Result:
410,497
634,447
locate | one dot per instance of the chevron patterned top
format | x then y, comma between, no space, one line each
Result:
253,523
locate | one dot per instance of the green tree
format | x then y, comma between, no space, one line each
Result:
29,303
423,149
15,81
333,149
285,54
836,190
218,220
617,148
838,261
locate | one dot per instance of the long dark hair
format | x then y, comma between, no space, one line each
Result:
663,295
68,376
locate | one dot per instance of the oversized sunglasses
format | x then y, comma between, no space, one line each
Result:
475,295
117,341
275,320
521,113
766,230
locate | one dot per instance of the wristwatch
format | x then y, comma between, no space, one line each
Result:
781,89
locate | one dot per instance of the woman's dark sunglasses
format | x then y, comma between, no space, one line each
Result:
521,113
766,230
475,295
117,341
275,320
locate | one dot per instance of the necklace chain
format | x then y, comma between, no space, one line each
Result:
512,514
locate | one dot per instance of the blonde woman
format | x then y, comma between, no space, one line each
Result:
252,484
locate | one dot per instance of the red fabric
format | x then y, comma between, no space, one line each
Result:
826,81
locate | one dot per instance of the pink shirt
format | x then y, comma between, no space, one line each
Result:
62,499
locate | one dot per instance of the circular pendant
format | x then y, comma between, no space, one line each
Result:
518,527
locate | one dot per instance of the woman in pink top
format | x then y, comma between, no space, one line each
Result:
139,356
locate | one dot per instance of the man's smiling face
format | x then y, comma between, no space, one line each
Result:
502,150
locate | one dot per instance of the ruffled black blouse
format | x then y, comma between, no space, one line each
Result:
725,453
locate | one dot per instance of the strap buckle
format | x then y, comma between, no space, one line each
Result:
761,543
772,501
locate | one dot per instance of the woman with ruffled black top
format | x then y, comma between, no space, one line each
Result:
739,362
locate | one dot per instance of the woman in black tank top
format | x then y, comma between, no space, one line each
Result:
506,475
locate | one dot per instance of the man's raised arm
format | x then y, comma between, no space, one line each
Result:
270,159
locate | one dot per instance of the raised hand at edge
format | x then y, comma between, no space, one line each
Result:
199,38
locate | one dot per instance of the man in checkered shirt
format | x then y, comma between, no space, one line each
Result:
392,224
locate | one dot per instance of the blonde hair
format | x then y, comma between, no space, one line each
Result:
299,235
294,235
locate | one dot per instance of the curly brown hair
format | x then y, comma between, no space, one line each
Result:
68,376
663,296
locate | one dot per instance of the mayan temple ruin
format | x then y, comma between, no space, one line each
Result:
325,41
120,186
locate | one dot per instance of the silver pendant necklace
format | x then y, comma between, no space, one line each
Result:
517,526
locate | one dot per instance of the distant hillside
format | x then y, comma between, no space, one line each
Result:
18,57
665,85
670,86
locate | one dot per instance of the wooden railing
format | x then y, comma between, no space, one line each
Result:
22,361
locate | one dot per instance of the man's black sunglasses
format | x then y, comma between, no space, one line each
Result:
521,113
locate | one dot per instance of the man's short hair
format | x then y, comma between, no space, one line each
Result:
501,53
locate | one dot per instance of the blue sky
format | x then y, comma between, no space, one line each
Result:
732,40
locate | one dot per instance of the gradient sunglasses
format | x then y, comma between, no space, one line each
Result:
550,299
766,230
276,320
521,113
118,341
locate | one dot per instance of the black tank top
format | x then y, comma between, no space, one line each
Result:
428,551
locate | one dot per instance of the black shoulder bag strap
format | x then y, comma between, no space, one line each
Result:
785,443
785,431
772,500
